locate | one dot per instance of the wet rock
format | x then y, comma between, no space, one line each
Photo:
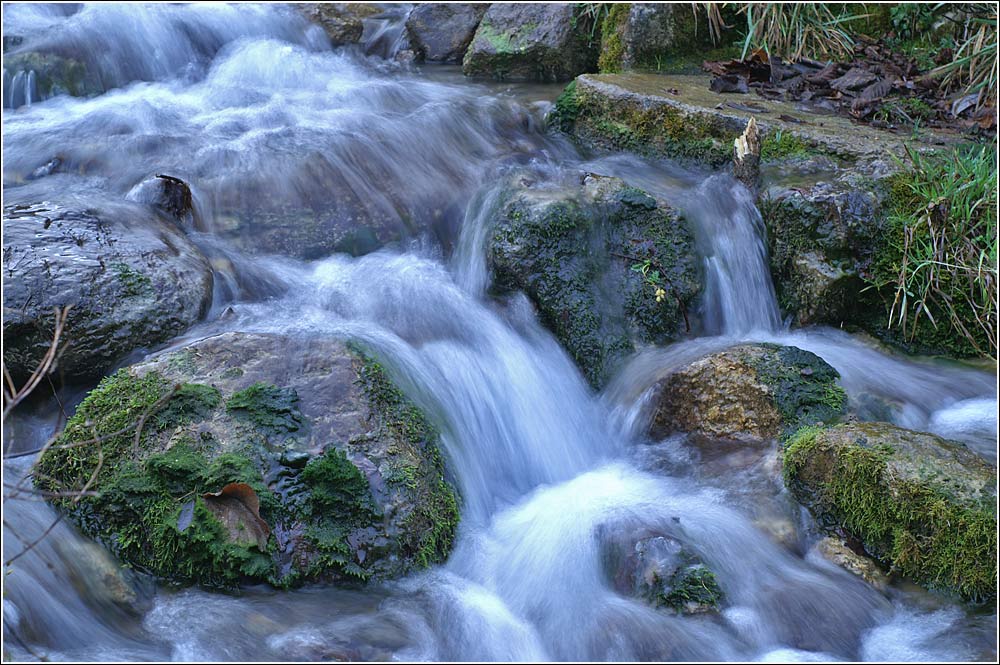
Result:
572,249
441,32
748,392
132,277
97,575
263,458
822,240
341,21
663,572
836,551
533,41
920,504
644,35
50,75
169,194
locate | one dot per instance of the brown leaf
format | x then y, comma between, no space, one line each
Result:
236,505
876,90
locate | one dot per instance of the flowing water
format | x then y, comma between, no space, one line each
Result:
250,103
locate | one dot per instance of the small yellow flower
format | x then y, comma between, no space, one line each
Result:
660,294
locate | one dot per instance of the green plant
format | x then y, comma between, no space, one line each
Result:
589,16
798,29
940,258
652,277
973,69
911,20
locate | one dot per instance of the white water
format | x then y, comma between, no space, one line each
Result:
549,473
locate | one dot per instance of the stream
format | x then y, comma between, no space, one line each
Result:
250,103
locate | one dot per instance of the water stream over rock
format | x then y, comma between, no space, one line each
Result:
295,151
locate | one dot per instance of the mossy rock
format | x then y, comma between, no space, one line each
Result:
662,571
536,42
923,506
822,241
572,248
341,21
749,392
650,36
261,458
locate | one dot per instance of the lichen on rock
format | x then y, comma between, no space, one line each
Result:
749,392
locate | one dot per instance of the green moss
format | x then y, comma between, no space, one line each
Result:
191,402
780,145
612,45
566,108
693,585
133,282
652,129
436,519
922,531
268,407
804,386
337,489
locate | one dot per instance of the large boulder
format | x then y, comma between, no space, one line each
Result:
343,22
441,32
577,251
920,504
748,392
250,458
531,41
131,275
648,35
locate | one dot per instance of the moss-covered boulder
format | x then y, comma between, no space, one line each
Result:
605,263
442,31
531,41
648,35
250,458
920,504
748,392
131,275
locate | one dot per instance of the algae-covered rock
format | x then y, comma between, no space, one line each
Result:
920,504
259,458
442,31
576,251
647,35
531,41
341,21
749,392
822,241
662,571
132,277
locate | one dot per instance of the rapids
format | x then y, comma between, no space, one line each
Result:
249,103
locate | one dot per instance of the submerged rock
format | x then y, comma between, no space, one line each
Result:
260,458
171,195
662,571
920,504
836,551
749,392
50,75
441,32
132,277
531,41
576,252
